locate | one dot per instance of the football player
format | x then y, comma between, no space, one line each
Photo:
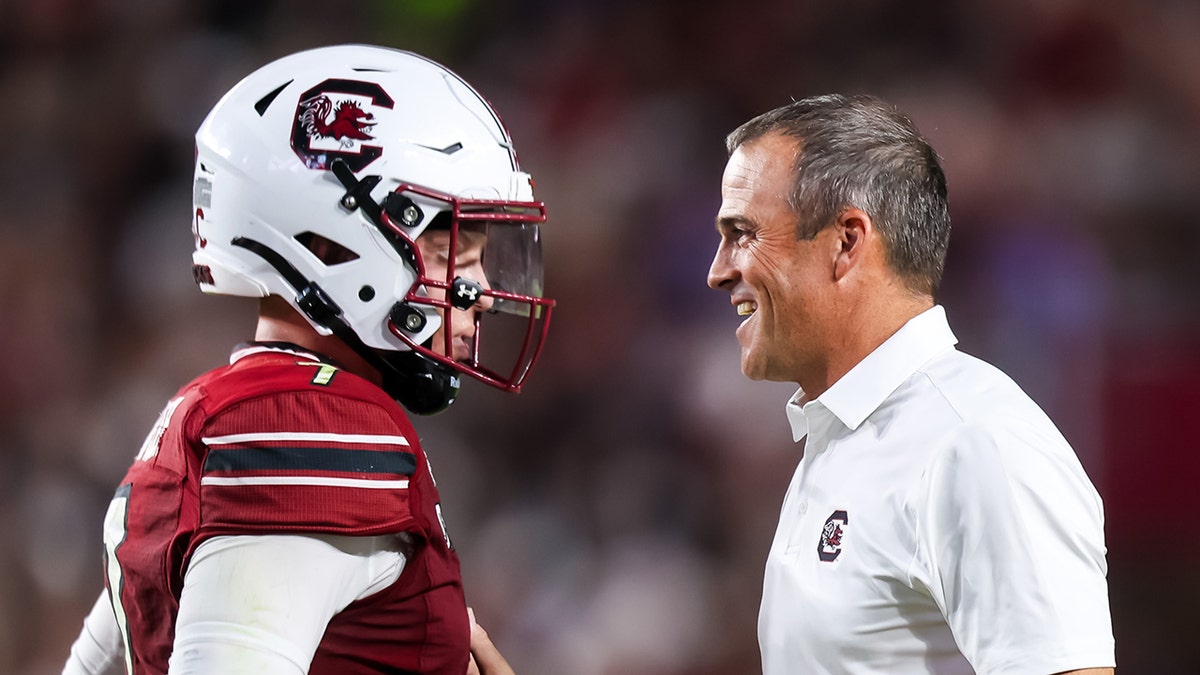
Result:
281,516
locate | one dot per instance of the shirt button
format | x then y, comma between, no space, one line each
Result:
803,508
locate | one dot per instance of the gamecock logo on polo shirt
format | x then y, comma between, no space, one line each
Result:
830,546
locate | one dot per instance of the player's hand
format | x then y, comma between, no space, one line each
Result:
485,658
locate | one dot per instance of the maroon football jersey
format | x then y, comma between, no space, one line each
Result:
280,441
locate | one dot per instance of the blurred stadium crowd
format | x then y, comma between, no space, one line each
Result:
614,518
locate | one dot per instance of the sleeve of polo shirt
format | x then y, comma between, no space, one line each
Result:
1012,540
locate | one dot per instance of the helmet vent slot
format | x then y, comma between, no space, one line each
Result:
265,102
326,250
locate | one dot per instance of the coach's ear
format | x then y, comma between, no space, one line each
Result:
854,239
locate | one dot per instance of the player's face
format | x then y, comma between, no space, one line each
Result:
778,282
468,263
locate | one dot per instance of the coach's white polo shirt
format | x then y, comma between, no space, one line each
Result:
937,514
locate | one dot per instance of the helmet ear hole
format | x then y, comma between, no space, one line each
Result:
326,250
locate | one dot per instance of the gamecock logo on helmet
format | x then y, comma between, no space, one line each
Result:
350,122
331,122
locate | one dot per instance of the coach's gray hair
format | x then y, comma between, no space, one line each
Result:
862,152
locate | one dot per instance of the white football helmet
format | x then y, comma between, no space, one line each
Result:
316,174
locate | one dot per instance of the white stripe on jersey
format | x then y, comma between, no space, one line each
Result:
306,480
299,436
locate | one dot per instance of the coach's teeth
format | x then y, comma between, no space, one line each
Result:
746,308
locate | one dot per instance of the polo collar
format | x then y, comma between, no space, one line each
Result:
867,385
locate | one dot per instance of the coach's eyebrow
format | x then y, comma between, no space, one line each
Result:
726,223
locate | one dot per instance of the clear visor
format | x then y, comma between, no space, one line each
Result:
512,262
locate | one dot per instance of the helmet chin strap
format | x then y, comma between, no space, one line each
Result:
421,385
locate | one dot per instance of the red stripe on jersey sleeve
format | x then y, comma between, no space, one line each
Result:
315,410
258,509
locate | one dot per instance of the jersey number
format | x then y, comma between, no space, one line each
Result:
116,522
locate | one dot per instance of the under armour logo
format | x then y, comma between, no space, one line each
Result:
466,293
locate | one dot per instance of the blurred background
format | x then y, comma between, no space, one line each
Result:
615,517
